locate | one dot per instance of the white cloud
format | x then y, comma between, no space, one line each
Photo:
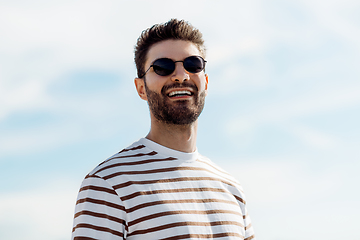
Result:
313,137
318,101
76,120
290,191
338,17
281,179
22,97
43,41
40,214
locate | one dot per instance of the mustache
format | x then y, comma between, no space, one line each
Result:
179,85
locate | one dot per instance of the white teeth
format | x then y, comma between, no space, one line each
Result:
179,93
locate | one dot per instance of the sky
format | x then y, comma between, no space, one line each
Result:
282,114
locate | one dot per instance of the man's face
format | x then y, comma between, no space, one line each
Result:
166,102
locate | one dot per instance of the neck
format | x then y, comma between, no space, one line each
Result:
178,137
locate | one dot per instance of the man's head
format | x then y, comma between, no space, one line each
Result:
173,29
176,95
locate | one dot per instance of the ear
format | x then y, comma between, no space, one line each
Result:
140,88
206,84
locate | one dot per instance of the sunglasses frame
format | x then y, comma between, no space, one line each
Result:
152,65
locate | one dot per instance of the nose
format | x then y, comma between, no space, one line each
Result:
180,74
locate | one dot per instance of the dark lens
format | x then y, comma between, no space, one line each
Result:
194,64
164,66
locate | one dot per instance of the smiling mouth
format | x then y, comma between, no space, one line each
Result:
181,93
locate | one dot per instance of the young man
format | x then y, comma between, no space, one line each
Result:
160,187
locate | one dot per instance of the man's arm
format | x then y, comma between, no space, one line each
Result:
249,231
99,212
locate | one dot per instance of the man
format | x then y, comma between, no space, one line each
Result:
160,187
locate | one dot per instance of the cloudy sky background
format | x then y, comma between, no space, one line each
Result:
282,114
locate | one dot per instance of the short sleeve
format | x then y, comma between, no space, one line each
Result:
99,212
249,230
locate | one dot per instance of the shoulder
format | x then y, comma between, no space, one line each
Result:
220,172
123,158
215,167
135,158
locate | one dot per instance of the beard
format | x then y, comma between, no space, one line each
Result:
180,112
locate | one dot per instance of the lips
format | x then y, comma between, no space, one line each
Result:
184,90
180,93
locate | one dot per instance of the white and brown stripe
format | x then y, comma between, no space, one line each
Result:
149,192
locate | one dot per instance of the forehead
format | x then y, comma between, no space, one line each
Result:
176,50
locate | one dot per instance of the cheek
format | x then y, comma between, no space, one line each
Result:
202,86
155,85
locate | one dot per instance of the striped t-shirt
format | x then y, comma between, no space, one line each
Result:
148,191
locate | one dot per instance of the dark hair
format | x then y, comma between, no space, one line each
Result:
173,29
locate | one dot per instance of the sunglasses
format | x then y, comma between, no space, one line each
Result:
166,66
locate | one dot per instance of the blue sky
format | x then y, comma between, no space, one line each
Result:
282,114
